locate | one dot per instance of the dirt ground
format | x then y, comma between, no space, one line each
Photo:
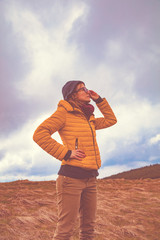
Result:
127,210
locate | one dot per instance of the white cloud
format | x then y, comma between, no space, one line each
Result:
154,158
11,177
23,155
114,49
52,58
111,170
119,168
133,120
155,139
45,50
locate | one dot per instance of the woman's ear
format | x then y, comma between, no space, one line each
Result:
74,96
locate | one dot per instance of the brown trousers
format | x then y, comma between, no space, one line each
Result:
76,196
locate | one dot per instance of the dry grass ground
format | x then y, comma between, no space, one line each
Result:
127,210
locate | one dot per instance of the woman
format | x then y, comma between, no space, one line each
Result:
79,153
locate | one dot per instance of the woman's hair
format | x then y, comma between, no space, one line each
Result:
71,97
69,88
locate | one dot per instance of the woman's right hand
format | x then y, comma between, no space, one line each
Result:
77,154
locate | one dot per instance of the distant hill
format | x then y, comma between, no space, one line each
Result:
152,171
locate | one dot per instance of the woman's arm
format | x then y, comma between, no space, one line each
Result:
109,118
42,135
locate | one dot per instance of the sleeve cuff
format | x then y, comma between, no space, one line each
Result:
67,156
99,100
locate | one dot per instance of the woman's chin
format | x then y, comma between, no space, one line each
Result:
87,100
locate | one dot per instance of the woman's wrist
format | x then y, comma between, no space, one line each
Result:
68,154
98,100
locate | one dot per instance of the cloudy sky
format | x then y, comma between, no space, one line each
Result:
112,45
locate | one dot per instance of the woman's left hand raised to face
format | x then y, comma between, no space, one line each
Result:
93,95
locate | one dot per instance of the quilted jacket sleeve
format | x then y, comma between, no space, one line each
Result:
42,135
109,118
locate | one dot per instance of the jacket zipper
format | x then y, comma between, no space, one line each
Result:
76,144
93,143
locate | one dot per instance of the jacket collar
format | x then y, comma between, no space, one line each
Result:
69,108
66,105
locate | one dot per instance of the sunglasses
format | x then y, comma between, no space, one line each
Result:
83,89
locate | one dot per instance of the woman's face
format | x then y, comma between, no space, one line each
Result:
82,94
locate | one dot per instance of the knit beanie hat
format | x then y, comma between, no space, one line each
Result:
69,88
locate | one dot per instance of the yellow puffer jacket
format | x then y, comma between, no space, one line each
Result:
74,128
